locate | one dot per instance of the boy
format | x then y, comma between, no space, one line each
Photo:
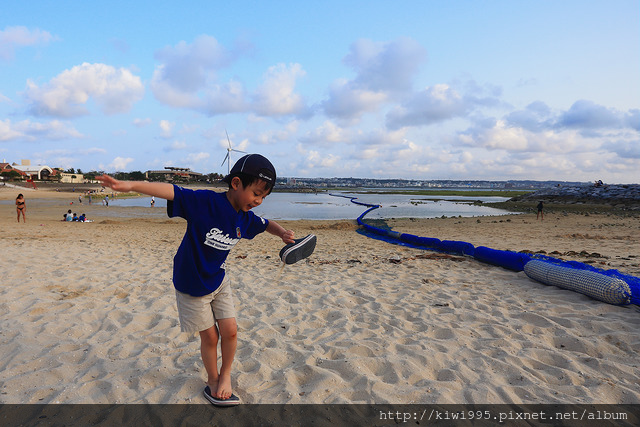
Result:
215,223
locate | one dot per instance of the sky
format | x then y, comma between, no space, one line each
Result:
413,89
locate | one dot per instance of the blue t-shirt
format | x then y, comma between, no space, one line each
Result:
213,228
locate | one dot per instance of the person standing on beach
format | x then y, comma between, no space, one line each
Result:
21,207
540,208
215,223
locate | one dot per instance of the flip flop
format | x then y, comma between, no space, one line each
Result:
298,250
232,401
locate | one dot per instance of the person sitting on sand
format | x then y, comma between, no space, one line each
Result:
215,223
21,207
69,215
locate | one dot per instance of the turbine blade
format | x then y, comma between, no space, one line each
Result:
225,131
225,158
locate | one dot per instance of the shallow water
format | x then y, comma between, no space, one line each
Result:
293,206
323,206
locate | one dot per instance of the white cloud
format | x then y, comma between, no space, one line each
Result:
506,138
315,160
8,132
385,66
120,163
503,136
381,137
170,95
243,145
441,102
572,143
137,122
384,71
177,145
90,150
584,116
189,67
534,117
282,133
466,157
276,96
632,119
166,128
625,149
230,97
187,77
65,157
368,153
434,104
12,38
348,103
198,157
327,133
27,130
66,95
589,115
390,154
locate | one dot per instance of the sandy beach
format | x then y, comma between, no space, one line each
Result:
88,315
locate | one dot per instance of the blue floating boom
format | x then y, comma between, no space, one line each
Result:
512,260
610,286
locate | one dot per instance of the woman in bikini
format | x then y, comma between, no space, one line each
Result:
21,207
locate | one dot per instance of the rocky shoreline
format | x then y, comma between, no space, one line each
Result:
624,198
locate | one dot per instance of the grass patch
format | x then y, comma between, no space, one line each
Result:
119,196
469,193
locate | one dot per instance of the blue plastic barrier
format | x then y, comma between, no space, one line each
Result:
515,261
512,260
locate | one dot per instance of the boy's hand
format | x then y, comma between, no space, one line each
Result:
287,236
279,231
114,184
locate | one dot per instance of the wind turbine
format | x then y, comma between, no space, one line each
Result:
227,158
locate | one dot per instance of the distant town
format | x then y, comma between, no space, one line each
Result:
418,184
180,175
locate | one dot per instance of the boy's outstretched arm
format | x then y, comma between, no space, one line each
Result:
158,189
277,230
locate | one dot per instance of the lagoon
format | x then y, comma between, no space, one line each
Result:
325,206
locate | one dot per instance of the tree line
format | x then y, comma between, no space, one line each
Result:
126,176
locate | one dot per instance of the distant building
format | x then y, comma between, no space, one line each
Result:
38,172
6,167
71,178
170,173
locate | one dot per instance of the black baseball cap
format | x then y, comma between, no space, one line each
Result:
254,165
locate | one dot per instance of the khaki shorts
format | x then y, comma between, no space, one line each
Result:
199,313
